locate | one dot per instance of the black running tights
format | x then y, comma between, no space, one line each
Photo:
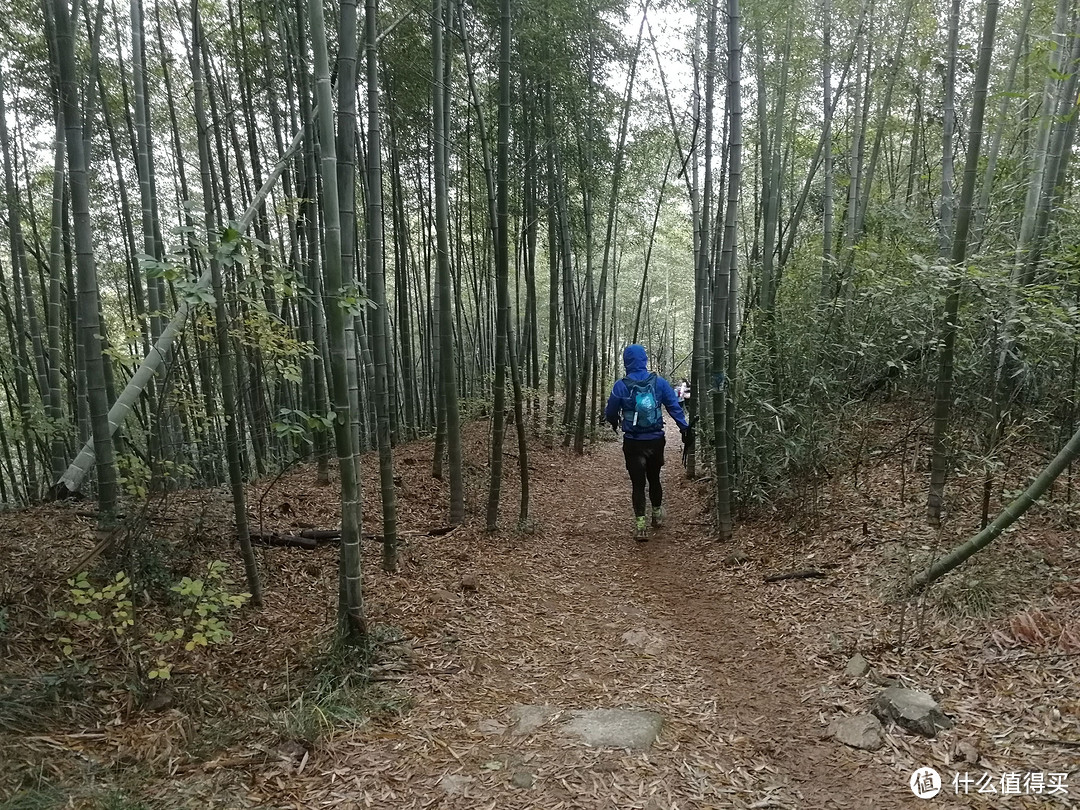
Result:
643,461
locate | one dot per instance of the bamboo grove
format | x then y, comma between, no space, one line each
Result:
248,233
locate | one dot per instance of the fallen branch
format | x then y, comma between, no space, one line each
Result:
893,370
438,532
805,573
283,540
311,539
321,535
1009,515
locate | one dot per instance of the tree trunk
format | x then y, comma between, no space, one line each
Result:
982,210
948,133
221,319
447,360
352,623
502,265
724,283
380,336
58,454
553,271
828,262
943,394
89,324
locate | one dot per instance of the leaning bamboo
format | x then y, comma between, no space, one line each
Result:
76,473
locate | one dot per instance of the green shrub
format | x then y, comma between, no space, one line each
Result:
107,612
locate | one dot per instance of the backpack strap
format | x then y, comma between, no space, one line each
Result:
651,380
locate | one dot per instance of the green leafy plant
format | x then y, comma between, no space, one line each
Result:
354,300
300,425
197,620
205,601
134,475
108,607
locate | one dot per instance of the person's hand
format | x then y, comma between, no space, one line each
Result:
687,436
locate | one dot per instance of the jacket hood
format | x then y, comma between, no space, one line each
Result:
635,359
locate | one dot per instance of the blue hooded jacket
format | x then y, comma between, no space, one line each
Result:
637,368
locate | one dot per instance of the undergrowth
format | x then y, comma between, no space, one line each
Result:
28,704
989,587
340,692
49,797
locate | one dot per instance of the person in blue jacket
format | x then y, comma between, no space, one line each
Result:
636,400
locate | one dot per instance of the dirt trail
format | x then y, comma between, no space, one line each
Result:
573,615
548,624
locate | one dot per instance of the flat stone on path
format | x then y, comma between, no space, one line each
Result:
522,779
615,728
645,641
857,666
455,784
491,727
860,731
529,717
911,709
442,595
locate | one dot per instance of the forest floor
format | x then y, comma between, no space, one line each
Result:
569,614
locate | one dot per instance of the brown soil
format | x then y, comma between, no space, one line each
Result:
572,614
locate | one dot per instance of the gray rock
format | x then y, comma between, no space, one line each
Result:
965,751
645,641
522,779
529,717
861,731
615,728
911,709
455,784
491,727
857,666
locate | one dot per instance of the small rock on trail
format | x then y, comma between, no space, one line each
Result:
529,717
491,727
455,784
645,641
522,779
615,728
861,731
911,709
857,666
965,751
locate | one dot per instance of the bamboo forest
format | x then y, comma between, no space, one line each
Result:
656,405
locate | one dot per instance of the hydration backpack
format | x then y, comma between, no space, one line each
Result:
643,414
